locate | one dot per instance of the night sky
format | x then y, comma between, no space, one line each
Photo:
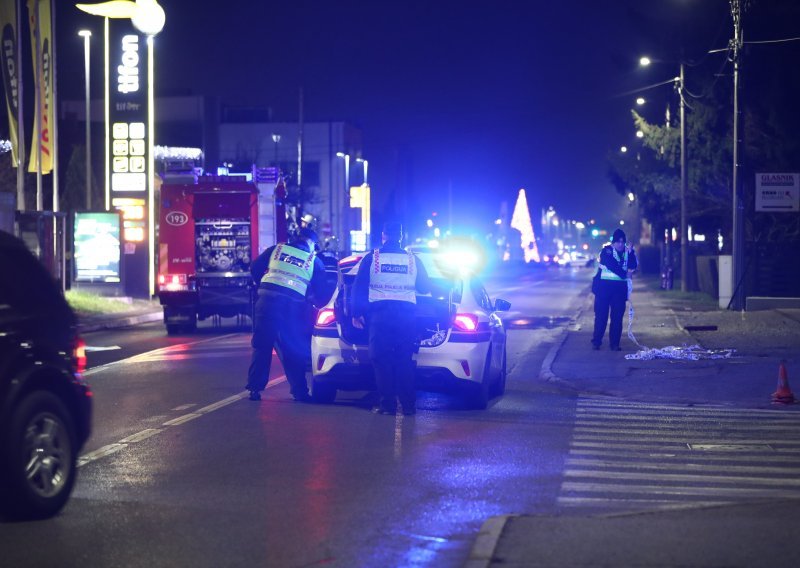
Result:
490,97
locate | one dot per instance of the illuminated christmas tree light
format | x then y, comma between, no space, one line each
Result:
521,221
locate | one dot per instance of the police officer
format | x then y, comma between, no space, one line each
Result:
384,299
290,276
616,264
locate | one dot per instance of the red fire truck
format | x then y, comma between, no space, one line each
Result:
208,235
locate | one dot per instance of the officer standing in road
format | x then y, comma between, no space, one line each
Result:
616,264
384,299
290,276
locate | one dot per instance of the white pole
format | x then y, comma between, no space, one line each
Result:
54,112
20,118
86,34
37,80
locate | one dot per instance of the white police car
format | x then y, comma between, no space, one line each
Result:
462,341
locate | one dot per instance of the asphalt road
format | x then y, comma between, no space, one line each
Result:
182,470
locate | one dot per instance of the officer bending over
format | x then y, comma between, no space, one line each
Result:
384,297
290,277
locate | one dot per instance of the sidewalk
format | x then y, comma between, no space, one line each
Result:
761,339
721,536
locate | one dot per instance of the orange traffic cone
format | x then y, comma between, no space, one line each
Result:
784,393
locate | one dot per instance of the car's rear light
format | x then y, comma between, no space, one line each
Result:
79,355
326,317
172,282
466,322
352,259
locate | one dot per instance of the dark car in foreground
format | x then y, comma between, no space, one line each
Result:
45,406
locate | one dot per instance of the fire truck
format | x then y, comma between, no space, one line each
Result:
209,233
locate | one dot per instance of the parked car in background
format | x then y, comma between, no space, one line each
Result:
45,405
462,341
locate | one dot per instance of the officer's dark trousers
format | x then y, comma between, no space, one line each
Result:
391,350
281,322
611,297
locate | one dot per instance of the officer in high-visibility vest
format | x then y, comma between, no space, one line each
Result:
616,264
290,276
384,300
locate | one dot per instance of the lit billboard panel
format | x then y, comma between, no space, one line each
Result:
97,251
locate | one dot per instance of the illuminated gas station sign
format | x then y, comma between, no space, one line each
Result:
129,147
129,31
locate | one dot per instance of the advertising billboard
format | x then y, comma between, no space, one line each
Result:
97,249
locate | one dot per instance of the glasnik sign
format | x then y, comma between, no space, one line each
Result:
777,192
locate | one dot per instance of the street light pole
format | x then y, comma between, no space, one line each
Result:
684,183
341,229
684,241
737,260
86,34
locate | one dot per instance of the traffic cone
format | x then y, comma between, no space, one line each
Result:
784,393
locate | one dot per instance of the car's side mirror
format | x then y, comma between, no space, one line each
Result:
501,305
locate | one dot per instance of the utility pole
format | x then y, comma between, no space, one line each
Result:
684,182
737,301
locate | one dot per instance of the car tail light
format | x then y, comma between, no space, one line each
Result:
351,259
326,317
466,322
79,355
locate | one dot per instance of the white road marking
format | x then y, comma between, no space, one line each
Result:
150,432
678,490
662,456
183,407
93,348
182,419
686,454
683,477
100,453
137,358
139,436
660,466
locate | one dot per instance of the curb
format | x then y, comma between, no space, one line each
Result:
480,556
122,321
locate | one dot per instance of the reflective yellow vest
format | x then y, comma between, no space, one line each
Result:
291,268
606,274
392,276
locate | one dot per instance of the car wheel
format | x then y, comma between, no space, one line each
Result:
499,386
173,329
481,392
40,470
321,393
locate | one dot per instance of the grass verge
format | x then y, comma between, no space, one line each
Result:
89,304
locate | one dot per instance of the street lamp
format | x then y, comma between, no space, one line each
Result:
680,87
86,35
640,101
276,138
366,165
346,169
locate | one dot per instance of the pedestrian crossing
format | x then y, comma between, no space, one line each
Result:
631,455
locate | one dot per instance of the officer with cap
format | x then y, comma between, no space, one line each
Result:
290,276
616,265
384,300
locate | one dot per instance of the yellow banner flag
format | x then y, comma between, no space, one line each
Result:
8,60
44,86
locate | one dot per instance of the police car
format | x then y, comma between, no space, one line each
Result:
462,340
